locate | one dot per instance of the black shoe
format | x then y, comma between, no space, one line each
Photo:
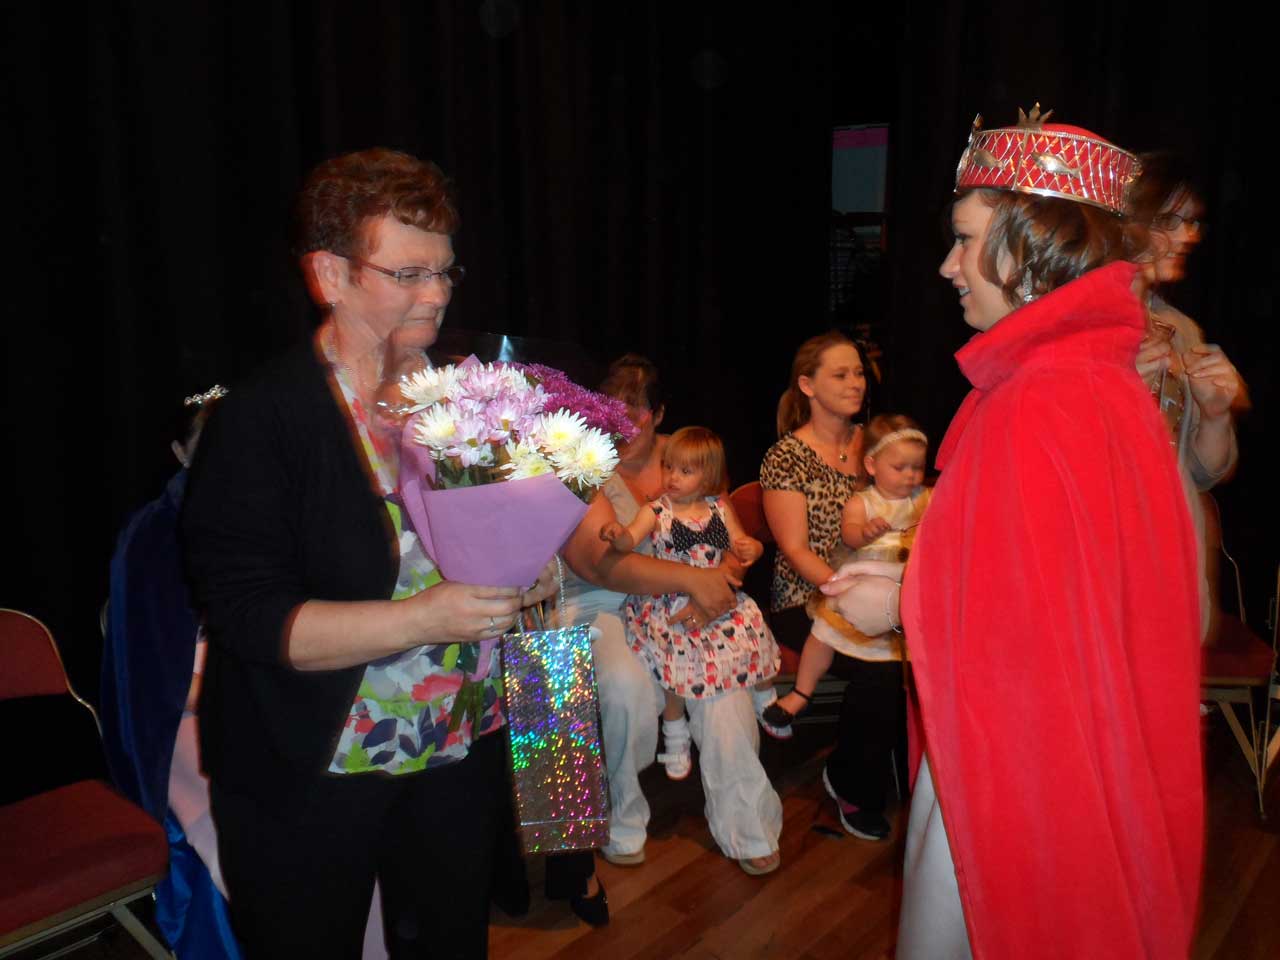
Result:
860,823
863,825
593,910
776,719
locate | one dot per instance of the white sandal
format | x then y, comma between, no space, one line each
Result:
678,759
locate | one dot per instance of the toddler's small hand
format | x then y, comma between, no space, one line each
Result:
875,528
611,531
747,549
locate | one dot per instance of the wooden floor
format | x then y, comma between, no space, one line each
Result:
836,896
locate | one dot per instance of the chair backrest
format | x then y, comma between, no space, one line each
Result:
748,504
30,665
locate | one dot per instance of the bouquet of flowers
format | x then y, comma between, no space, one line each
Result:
498,462
487,422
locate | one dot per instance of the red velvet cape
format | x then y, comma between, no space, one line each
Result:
1051,615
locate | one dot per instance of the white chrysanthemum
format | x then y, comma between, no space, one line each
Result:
426,387
558,432
590,461
437,427
526,461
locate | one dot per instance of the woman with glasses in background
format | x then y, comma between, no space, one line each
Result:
1194,383
1167,207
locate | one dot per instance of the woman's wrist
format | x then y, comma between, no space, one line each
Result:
892,604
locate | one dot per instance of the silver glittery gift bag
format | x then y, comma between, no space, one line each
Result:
557,763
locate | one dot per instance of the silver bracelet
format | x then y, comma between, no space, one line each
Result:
889,616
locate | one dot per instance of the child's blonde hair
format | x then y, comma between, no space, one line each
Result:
886,429
701,448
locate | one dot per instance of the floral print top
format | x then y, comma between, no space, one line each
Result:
420,708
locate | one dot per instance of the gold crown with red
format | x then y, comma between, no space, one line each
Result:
1052,160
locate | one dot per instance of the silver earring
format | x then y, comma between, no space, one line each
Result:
1025,289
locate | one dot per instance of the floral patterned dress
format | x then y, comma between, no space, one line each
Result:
736,650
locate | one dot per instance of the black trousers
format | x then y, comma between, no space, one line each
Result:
872,724
301,883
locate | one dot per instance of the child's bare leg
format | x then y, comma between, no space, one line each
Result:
673,708
815,661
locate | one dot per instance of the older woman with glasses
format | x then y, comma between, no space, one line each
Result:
336,653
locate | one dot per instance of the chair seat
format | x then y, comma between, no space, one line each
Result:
1236,656
71,846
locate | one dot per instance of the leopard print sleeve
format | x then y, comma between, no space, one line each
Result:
790,464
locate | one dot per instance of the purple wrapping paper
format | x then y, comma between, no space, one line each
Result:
557,764
495,535
503,534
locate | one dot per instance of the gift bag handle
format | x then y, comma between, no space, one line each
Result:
538,612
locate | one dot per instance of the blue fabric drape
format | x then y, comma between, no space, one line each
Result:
148,651
190,911
148,654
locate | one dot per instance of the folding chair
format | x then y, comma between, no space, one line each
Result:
78,852
1237,664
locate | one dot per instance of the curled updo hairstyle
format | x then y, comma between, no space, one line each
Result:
793,408
1050,241
700,448
635,380
342,196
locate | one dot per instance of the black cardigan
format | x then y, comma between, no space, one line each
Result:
280,509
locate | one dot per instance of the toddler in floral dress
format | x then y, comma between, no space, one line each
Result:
693,523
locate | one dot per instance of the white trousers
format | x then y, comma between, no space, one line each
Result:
743,809
932,922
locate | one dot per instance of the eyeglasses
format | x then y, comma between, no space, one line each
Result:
1172,221
417,276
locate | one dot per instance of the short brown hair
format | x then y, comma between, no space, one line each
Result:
634,379
1051,241
1166,182
343,195
701,448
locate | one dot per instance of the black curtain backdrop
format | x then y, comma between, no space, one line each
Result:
651,177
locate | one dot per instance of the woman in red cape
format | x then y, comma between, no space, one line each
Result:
1050,607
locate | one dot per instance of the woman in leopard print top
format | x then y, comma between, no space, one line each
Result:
808,476
810,473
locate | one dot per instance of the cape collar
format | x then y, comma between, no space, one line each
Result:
1093,318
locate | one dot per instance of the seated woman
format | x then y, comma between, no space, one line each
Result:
1049,606
809,477
321,630
743,810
